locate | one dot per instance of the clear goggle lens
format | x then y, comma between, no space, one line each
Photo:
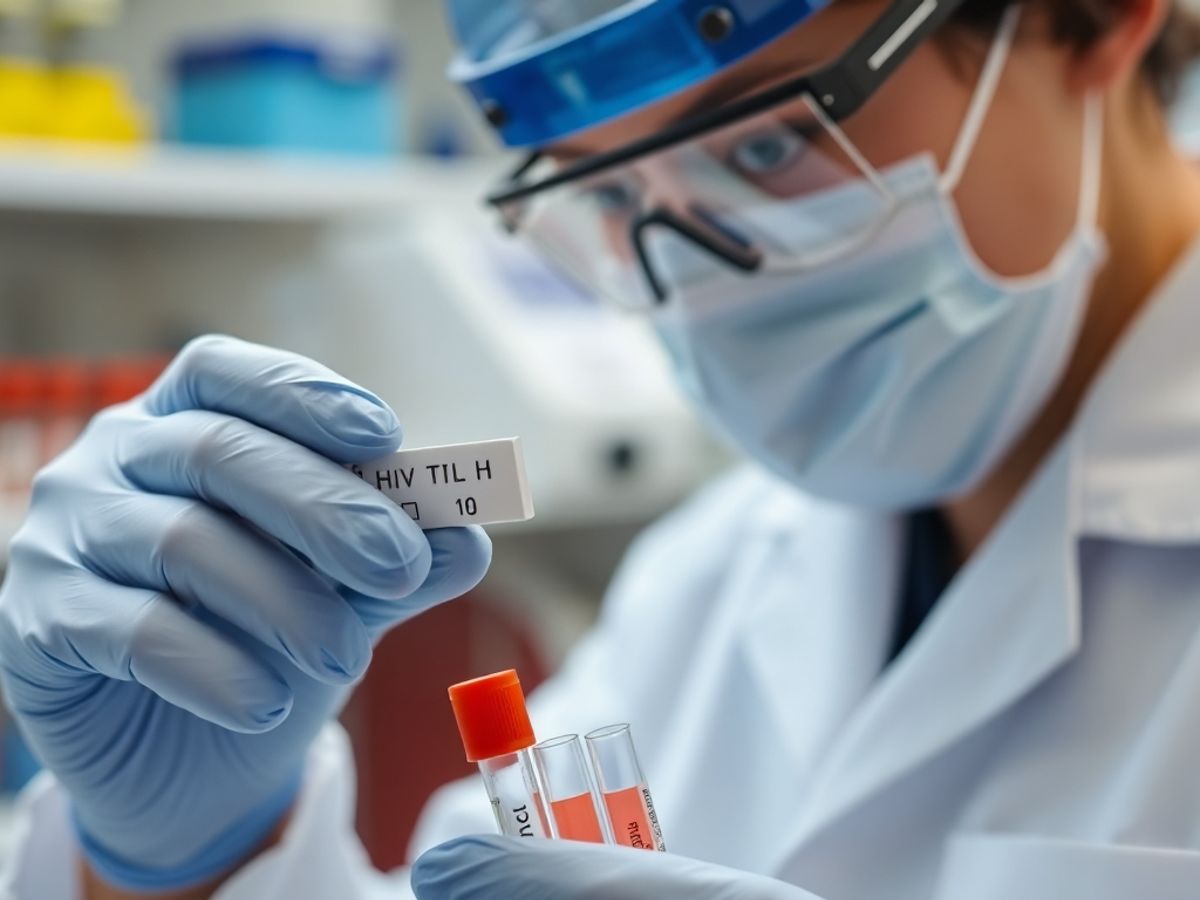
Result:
783,190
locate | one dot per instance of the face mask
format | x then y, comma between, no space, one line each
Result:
898,376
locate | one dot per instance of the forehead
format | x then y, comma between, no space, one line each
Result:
817,42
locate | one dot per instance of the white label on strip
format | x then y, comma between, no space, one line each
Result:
462,484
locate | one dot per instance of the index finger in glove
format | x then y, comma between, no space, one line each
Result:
460,560
137,635
280,391
345,528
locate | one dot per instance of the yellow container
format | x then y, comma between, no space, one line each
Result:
92,103
27,99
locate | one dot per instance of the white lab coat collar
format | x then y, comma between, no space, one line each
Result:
1127,470
1139,431
823,621
1000,630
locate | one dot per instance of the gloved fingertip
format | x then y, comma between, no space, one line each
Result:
402,571
469,544
339,672
460,560
265,712
269,720
383,419
377,424
357,419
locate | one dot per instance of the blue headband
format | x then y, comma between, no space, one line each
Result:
598,70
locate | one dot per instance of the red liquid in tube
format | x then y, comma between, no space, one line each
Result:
575,819
633,820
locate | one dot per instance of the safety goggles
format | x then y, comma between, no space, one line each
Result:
715,180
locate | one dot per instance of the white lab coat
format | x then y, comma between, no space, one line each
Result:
1039,739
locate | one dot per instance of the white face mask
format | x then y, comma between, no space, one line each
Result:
896,377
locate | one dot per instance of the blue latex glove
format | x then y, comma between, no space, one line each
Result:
486,868
196,586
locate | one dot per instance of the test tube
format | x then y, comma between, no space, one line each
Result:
566,784
623,788
497,735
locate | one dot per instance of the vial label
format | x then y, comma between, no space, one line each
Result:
634,821
517,821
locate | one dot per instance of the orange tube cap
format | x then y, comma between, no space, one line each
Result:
491,715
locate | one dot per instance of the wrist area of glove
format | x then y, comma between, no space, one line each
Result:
219,857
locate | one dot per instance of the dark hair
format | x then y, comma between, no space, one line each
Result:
1080,23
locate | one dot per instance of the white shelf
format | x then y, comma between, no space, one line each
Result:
169,183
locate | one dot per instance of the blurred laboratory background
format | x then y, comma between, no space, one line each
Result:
297,172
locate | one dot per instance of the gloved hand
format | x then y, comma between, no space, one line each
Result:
197,584
485,868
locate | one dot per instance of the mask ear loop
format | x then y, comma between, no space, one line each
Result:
981,103
989,82
960,155
1090,169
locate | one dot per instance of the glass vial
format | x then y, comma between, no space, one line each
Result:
570,797
497,735
623,789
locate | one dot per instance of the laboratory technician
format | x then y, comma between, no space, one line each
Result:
933,265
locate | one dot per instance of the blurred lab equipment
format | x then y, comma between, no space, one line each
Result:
11,9
277,90
93,103
81,13
82,103
45,403
20,433
68,382
20,37
51,89
26,97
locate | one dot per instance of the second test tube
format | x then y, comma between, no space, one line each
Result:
569,798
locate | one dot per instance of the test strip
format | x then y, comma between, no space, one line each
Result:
459,484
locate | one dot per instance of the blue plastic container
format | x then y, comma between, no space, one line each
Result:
337,95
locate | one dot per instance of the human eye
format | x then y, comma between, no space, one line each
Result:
769,152
613,197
